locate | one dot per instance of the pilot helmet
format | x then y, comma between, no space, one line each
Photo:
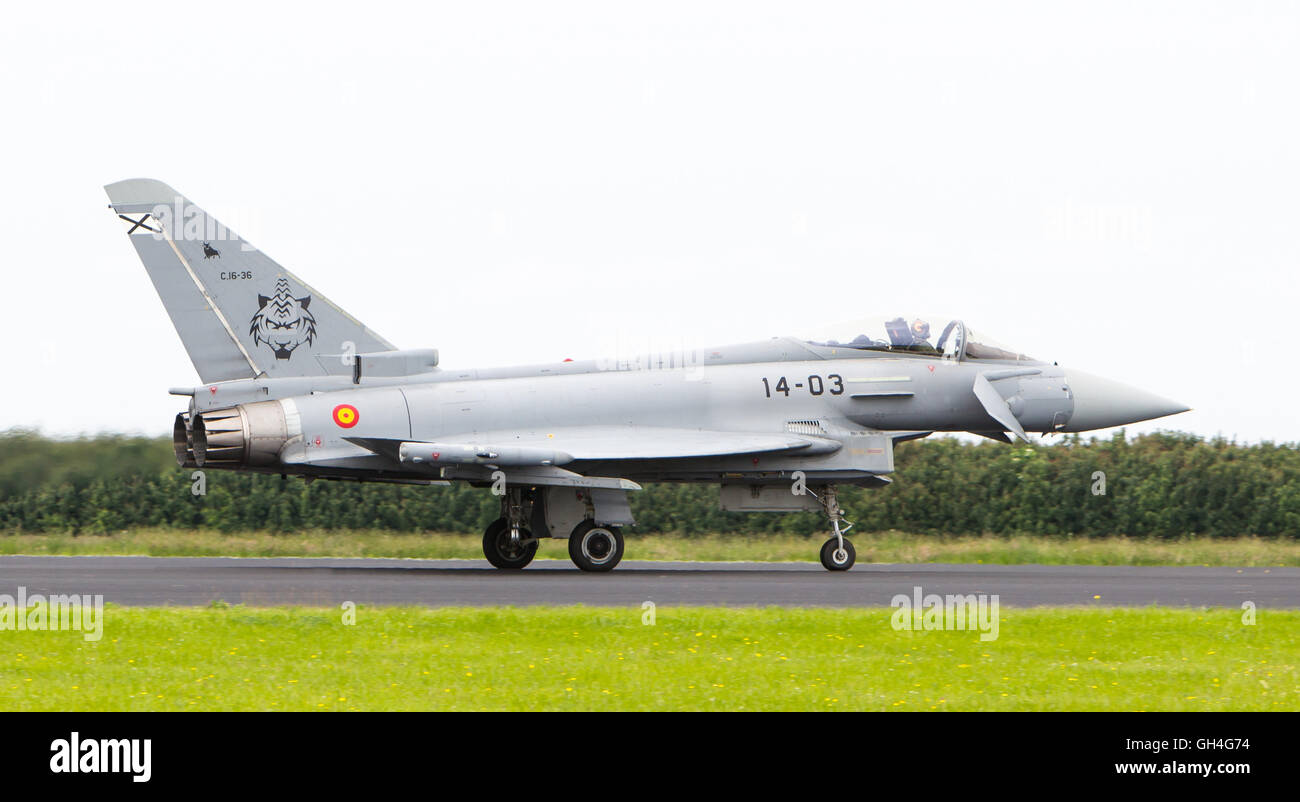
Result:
920,329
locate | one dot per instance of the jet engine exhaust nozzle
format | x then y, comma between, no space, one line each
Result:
183,441
247,435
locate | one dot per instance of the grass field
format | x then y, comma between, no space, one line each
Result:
575,658
880,547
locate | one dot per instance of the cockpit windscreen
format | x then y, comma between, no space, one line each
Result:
940,337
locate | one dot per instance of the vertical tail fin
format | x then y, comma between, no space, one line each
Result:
238,313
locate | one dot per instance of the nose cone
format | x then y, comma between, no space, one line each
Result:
1100,403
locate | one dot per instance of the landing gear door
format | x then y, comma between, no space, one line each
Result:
611,507
566,507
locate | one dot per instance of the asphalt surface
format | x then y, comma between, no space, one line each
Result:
199,581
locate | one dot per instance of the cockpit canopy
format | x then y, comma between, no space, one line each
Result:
937,337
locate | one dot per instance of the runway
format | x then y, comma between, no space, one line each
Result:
155,581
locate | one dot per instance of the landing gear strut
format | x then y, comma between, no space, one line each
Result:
506,542
837,554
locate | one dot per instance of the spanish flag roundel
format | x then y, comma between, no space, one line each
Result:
346,415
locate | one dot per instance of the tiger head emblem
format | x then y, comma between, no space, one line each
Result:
282,321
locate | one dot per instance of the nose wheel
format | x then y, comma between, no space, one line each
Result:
838,554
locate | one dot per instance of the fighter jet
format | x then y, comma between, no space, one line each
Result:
294,385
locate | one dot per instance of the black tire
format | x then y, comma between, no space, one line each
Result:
595,548
499,550
828,555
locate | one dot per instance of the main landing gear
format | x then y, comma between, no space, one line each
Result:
591,547
506,542
837,554
595,548
508,547
509,544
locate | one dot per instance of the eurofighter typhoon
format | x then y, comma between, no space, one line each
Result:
294,385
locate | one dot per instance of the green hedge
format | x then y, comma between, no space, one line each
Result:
1162,485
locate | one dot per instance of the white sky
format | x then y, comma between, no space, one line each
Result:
1109,185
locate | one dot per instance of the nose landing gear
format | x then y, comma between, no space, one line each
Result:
837,554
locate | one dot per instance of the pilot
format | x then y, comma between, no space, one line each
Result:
921,338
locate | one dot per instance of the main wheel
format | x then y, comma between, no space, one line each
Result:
503,553
835,559
595,548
